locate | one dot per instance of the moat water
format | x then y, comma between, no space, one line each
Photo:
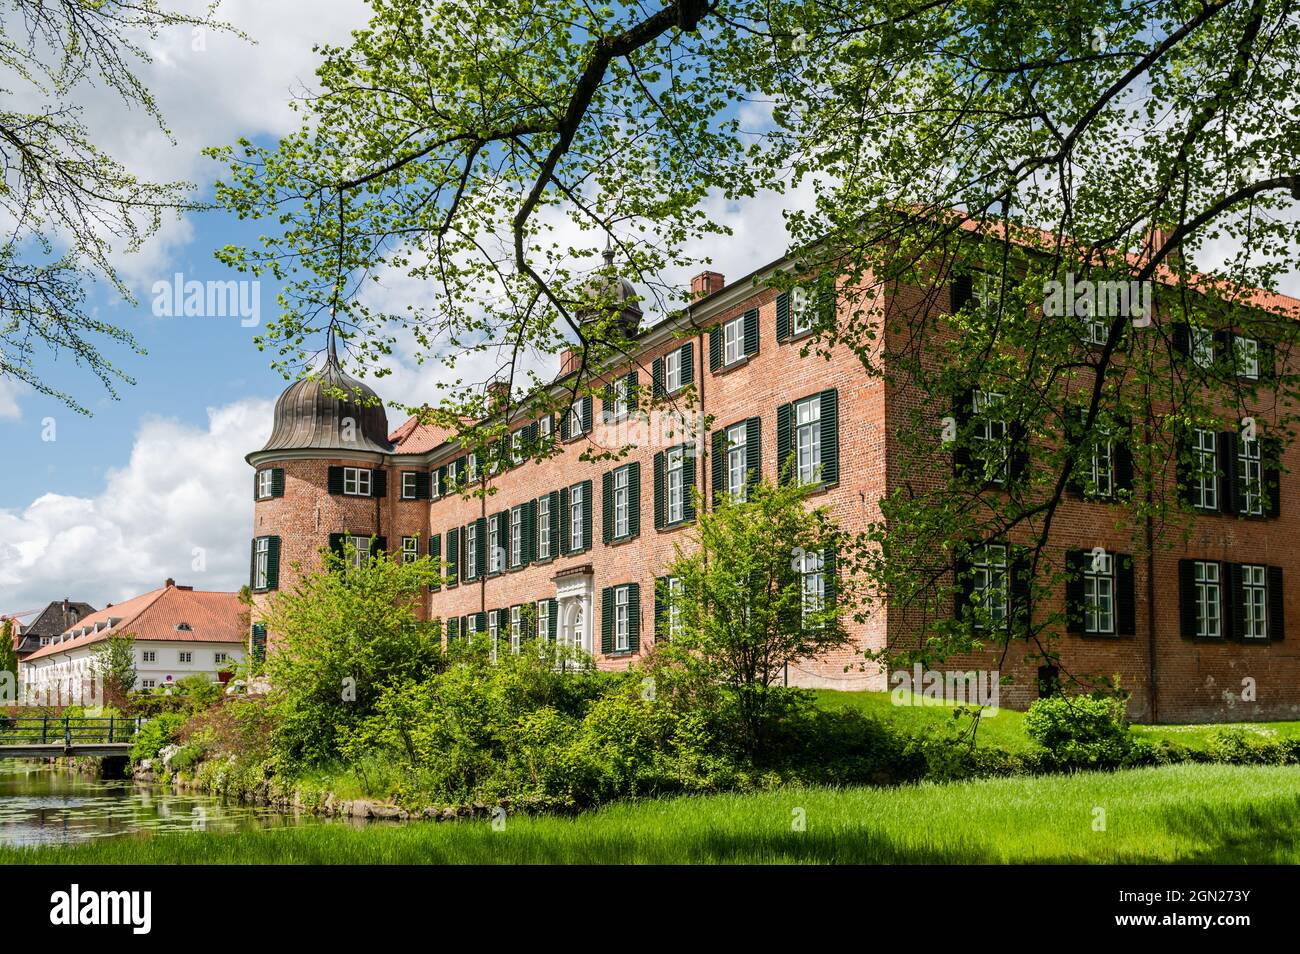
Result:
44,805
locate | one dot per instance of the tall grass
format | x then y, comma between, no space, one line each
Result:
1187,813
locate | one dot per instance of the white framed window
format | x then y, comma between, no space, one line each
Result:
575,419
261,562
800,312
808,440
544,527
674,464
149,655
621,525
544,429
516,627
812,570
1250,473
408,485
990,585
1205,494
264,484
471,468
185,657
543,610
360,550
494,629
517,536
737,458
986,289
576,535
622,630
410,549
1095,331
620,392
517,447
453,470
674,592
219,658
471,551
990,435
1099,594
1202,346
1254,587
673,370
148,683
471,627
733,340
1246,352
435,484
496,558
1102,470
1209,618
356,481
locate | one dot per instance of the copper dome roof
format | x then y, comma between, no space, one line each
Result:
308,417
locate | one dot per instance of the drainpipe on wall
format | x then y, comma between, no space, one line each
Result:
1152,669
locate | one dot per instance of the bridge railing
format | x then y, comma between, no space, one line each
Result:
69,730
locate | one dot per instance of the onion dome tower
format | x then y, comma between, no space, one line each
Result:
323,474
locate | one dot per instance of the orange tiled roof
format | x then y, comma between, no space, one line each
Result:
212,618
416,438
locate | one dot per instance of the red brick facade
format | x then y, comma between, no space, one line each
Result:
1195,680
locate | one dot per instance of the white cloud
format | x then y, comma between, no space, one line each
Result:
9,391
183,488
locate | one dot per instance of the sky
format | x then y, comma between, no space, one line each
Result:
155,485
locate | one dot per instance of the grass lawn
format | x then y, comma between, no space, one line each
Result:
1006,729
1187,813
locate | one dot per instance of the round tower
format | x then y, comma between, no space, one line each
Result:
323,475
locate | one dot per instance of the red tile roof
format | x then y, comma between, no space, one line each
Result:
416,438
212,618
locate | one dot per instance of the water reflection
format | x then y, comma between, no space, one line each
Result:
40,804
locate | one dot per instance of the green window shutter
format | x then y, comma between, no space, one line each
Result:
633,389
657,390
256,475
423,485
335,481
753,451
277,481
529,531
336,544
830,425
453,629
607,506
1271,471
1075,562
782,316
1125,596
830,560
607,402
718,466
634,499
553,610
252,562
435,551
688,482
481,623
784,443
379,483
688,363
751,332
661,609
607,620
555,523
273,563
586,413
634,617
452,569
480,547
586,514
562,521
378,544
715,347
660,492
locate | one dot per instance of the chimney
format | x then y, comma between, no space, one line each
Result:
706,283
568,362
1155,240
170,582
498,393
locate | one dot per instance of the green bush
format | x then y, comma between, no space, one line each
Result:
160,731
1080,732
1239,747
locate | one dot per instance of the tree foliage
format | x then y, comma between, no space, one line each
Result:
113,660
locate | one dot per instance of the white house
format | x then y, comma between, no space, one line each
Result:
178,632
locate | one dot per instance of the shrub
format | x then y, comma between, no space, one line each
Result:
1080,732
160,731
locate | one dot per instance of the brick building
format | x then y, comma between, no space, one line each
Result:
585,542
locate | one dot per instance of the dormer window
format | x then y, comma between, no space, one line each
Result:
184,628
